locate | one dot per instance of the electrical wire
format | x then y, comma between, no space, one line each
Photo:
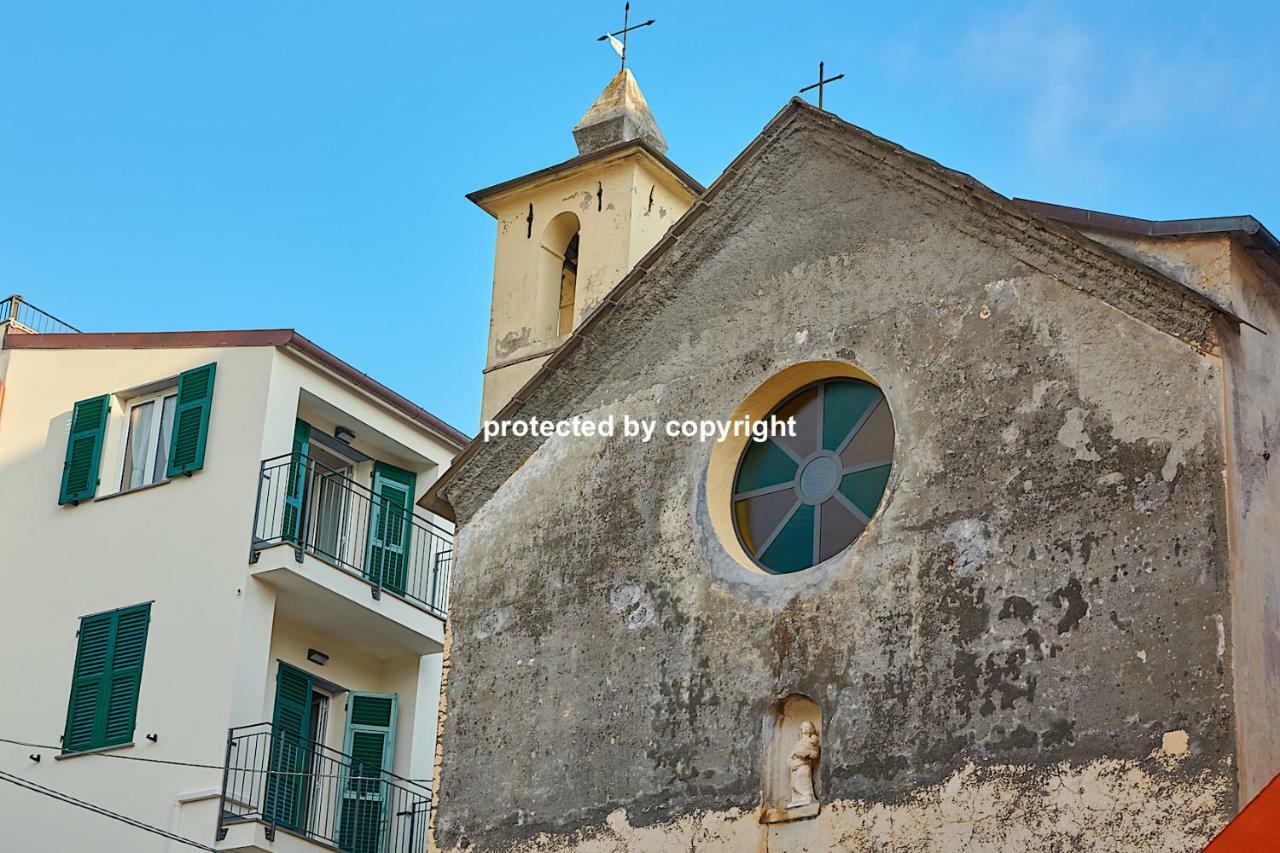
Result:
115,755
244,770
96,809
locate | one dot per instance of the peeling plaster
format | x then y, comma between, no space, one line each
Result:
1102,806
972,545
1073,436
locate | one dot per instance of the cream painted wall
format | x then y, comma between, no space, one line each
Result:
4,354
346,668
501,384
183,545
649,223
380,431
618,226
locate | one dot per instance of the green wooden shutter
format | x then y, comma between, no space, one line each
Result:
390,526
296,487
370,741
286,794
191,420
105,683
88,683
126,674
84,449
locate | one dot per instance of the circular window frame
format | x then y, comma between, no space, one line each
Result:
727,457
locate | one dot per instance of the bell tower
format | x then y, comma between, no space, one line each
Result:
568,233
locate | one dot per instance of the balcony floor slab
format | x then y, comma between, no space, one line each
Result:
313,592
251,837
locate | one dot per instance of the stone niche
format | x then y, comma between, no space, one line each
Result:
785,734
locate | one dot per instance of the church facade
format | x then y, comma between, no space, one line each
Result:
1010,586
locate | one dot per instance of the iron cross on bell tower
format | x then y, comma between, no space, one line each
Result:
823,80
627,26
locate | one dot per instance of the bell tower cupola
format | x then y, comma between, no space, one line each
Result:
567,234
619,115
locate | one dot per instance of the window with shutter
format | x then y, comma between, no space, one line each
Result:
84,449
107,677
370,741
191,420
148,433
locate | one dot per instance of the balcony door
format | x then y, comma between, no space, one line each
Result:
331,497
295,729
390,527
363,822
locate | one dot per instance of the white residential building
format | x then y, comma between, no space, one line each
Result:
213,563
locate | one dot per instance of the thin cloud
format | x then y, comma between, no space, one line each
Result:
1081,91
1047,60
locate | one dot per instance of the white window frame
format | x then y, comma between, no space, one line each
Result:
158,397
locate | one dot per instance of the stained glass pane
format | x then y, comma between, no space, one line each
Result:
759,516
804,408
845,403
785,530
865,488
792,549
839,528
874,441
764,464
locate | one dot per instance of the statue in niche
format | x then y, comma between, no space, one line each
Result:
791,776
801,763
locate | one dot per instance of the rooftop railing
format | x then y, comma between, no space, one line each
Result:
275,777
321,512
23,315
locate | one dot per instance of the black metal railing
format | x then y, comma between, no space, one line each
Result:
286,782
14,309
321,512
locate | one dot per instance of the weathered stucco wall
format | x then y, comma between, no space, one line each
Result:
1232,268
1007,659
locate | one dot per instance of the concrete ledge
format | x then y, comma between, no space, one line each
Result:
251,837
772,814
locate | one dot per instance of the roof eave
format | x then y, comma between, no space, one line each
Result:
278,338
451,435
1246,226
482,197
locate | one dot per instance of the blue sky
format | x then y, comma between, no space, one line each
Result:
183,165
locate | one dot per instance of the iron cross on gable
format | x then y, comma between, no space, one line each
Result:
823,80
627,26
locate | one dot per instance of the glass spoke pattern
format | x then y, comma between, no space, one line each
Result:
802,499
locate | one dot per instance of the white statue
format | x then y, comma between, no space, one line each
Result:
802,762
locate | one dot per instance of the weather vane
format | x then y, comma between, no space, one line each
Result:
621,46
823,80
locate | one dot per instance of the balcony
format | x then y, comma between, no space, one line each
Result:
356,562
273,780
22,316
